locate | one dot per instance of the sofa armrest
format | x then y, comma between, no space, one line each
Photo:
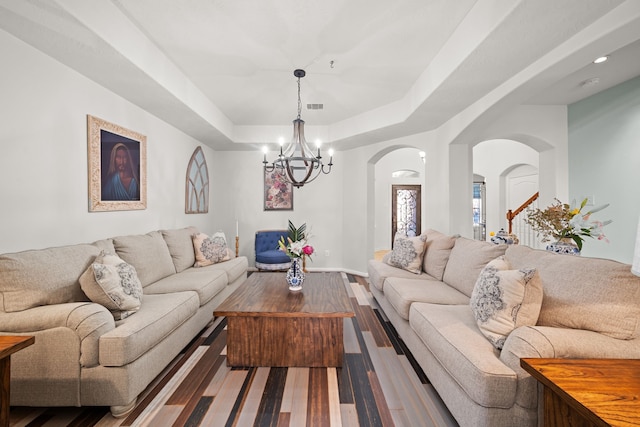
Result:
551,342
69,315
88,320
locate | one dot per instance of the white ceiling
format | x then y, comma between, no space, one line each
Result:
222,70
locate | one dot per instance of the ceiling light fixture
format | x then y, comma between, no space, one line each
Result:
600,59
296,162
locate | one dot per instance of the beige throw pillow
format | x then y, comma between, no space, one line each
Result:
503,300
210,250
407,253
437,250
111,282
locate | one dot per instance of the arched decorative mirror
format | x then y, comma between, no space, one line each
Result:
197,186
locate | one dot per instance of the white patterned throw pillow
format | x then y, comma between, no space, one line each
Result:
407,253
210,250
503,300
114,284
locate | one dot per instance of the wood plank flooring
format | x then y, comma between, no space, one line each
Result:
379,384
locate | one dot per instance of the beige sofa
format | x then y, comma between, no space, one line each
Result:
81,355
590,309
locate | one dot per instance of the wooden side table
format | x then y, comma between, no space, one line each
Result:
8,346
588,392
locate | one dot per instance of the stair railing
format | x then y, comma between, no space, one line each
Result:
519,227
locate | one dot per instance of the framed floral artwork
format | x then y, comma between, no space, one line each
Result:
278,193
117,167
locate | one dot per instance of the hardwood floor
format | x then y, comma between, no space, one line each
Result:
379,384
379,254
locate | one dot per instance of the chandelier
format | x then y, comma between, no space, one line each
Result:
296,162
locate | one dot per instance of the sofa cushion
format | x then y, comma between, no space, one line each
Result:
273,256
148,253
407,253
44,276
468,257
207,284
235,268
595,294
437,250
401,293
379,271
114,284
158,317
180,247
505,299
210,249
451,334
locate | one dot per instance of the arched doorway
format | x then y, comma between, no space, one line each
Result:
399,166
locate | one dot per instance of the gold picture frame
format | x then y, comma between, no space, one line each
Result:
117,160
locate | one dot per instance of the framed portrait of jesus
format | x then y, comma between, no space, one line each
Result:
117,167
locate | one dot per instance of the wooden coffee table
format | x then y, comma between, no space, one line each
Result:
267,325
588,392
8,346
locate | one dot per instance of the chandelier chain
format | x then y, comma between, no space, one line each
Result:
299,101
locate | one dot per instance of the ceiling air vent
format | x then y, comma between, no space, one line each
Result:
315,106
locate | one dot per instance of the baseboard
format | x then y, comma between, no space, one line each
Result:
326,269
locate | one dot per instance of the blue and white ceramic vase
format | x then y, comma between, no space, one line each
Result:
295,275
504,238
564,246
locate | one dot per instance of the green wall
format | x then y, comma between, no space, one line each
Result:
604,162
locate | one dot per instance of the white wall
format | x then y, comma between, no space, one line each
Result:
43,166
238,195
604,162
541,127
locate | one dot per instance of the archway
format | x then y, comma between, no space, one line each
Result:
553,180
386,168
510,169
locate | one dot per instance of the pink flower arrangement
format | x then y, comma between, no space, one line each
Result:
296,245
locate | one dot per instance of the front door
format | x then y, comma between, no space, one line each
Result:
405,210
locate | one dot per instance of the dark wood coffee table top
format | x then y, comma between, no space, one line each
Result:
267,294
606,392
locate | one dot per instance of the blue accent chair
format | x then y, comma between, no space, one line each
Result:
268,254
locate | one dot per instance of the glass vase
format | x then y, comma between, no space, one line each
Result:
295,275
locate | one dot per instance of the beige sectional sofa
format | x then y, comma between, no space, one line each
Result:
590,308
82,356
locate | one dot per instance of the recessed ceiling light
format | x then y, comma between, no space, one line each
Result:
600,59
